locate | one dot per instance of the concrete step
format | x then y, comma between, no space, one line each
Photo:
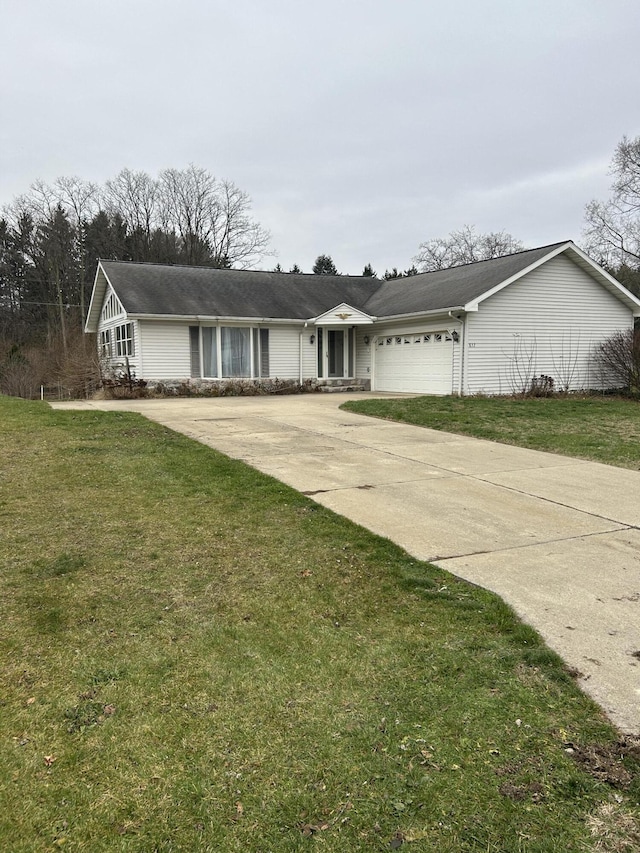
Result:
339,389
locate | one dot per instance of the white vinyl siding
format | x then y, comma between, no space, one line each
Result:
167,351
545,323
309,353
363,352
284,351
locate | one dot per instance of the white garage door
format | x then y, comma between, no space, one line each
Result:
421,362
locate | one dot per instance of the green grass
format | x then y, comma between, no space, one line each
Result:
196,657
605,429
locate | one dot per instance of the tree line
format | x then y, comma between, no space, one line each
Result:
51,236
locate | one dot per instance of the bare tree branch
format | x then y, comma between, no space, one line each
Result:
465,246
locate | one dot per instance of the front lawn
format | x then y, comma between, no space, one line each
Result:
605,429
195,657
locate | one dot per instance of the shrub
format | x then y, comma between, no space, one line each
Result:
618,359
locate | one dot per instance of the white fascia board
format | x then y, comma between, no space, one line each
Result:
90,326
437,312
203,318
473,305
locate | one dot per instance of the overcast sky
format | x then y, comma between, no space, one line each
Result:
358,127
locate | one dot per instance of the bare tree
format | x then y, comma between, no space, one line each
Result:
465,246
78,197
134,196
612,228
211,217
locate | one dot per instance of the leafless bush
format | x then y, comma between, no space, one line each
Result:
71,367
541,386
618,359
122,384
76,367
521,364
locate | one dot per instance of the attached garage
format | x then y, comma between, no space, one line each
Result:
417,362
490,327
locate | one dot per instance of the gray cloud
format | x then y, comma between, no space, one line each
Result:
358,128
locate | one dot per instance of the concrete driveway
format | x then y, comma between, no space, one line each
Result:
557,538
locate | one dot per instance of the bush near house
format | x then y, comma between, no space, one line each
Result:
618,357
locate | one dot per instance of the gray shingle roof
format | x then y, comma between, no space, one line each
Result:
155,289
200,291
452,287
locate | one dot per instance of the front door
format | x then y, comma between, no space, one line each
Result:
335,353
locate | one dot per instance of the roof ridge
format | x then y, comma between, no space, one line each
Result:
234,269
497,257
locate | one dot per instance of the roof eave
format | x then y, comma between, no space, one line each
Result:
91,323
433,313
215,318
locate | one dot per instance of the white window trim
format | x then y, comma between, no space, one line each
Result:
252,360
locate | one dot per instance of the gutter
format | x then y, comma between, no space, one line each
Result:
436,312
204,318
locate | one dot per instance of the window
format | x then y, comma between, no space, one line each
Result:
230,352
260,352
194,351
235,346
112,307
124,339
209,351
105,344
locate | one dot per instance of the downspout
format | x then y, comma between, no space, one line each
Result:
372,367
461,343
300,356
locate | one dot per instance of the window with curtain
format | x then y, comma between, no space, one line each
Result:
209,352
236,351
236,347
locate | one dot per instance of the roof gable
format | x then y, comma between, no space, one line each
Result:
452,288
343,313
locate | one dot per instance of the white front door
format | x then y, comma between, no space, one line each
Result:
335,352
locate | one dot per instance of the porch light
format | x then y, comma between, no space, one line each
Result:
366,340
312,340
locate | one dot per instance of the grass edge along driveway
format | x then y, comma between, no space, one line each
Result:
602,429
197,657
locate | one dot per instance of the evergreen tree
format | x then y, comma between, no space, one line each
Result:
324,266
369,271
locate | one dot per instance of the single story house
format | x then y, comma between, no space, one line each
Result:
487,327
